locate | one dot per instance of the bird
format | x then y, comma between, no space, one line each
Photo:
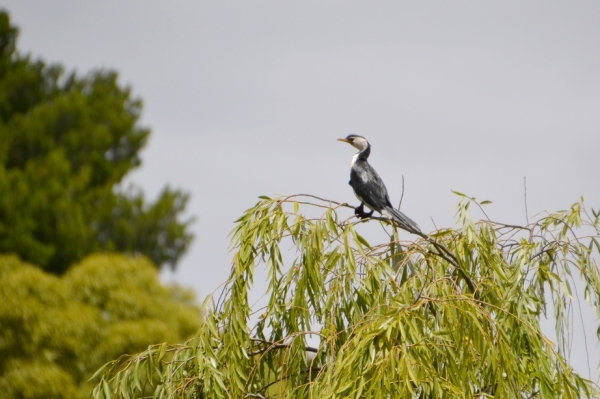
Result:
369,188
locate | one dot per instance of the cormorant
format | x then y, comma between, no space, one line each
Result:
369,188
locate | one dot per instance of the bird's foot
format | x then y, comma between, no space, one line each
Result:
366,215
359,211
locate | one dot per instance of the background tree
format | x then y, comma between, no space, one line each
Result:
452,315
66,142
56,331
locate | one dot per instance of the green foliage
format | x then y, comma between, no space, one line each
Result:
65,143
152,229
55,332
451,315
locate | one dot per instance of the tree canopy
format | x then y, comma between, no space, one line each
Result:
66,142
56,331
453,314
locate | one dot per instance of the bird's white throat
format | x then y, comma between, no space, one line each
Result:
354,158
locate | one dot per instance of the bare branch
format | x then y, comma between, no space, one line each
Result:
275,345
402,196
525,198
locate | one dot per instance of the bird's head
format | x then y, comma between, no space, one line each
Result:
356,141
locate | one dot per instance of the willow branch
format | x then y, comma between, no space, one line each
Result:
443,252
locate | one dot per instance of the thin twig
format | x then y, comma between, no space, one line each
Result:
525,195
344,204
402,196
274,345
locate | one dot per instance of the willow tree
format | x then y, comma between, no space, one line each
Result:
453,314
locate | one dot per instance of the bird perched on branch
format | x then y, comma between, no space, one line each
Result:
369,188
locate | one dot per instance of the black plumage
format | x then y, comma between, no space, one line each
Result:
368,186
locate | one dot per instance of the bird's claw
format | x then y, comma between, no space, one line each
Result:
359,211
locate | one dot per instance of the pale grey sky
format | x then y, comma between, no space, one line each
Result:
247,98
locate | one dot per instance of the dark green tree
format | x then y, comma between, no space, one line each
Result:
66,142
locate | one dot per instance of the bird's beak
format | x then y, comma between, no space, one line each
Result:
345,141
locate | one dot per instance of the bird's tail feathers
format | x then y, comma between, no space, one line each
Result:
400,218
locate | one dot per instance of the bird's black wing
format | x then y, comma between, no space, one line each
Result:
368,186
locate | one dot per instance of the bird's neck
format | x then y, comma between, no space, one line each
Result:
364,154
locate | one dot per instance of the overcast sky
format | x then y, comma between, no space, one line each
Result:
247,98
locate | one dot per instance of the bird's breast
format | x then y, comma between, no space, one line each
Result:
359,173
